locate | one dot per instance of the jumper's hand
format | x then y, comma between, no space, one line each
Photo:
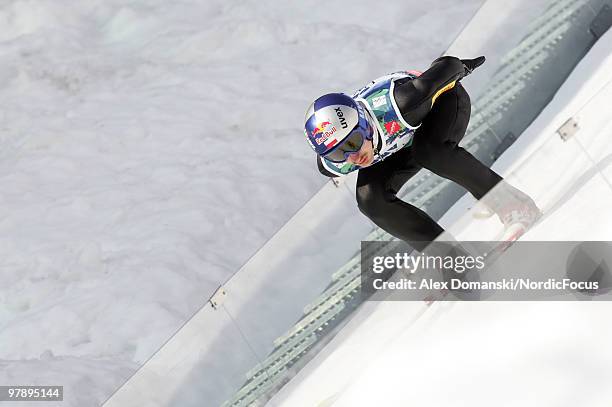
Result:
471,64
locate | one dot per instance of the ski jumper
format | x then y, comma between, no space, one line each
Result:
432,113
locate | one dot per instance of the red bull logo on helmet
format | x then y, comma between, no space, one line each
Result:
323,129
320,128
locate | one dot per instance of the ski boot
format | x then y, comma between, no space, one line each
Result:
512,206
515,209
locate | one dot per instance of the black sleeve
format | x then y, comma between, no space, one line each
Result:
415,97
323,170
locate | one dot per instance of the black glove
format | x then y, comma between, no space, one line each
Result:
471,64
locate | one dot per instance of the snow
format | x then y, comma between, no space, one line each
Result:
514,353
150,147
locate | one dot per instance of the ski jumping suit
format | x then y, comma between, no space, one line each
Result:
434,111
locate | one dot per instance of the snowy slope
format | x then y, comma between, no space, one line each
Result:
516,353
144,141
